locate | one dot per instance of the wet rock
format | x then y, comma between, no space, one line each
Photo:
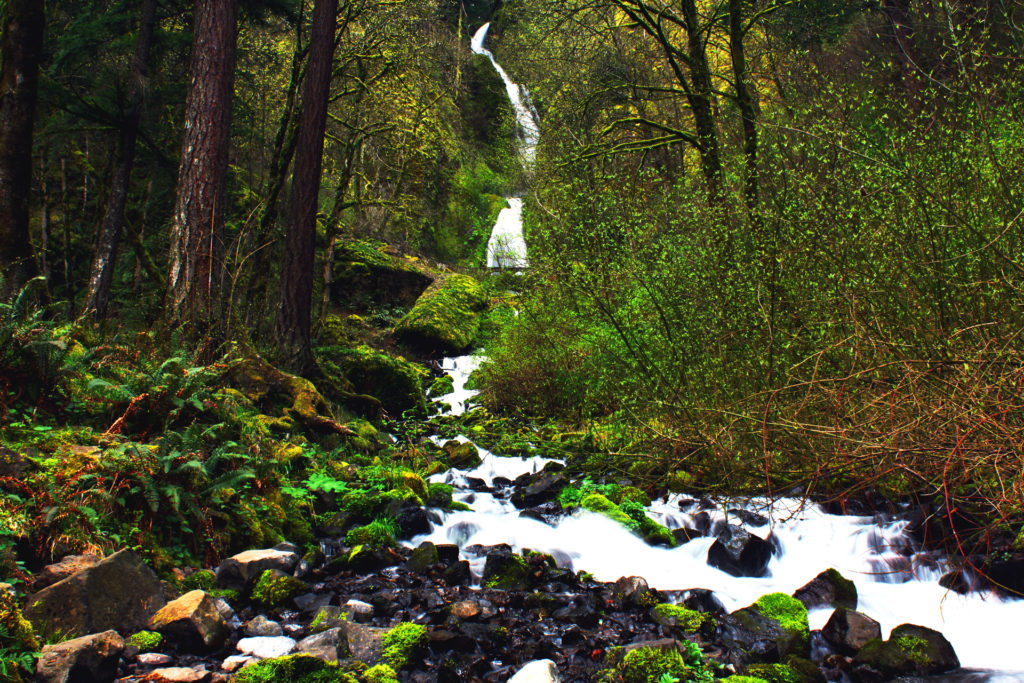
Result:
178,674
910,650
236,662
266,647
364,642
154,659
459,574
310,603
794,670
466,609
72,564
828,589
738,552
12,463
772,629
543,488
328,617
224,609
506,570
702,600
848,631
191,622
685,535
634,591
261,626
91,658
957,581
462,456
543,513
119,592
448,553
748,517
330,646
539,671
422,557
239,571
412,520
360,611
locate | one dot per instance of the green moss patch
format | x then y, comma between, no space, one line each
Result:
402,643
293,669
146,641
651,665
392,380
275,588
688,620
789,612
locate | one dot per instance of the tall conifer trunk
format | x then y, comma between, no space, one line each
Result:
294,319
197,236
21,47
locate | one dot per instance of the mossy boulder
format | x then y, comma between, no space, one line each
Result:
293,669
828,589
771,630
795,670
276,589
595,502
377,534
462,456
382,673
789,612
505,570
646,664
402,643
373,274
446,318
392,380
145,641
684,619
909,650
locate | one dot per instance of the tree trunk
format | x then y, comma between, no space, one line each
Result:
101,274
702,102
746,104
21,46
197,236
293,323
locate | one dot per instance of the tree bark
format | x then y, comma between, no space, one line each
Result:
293,323
101,275
746,104
21,48
197,236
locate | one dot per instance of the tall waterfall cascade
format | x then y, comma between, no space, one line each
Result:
506,247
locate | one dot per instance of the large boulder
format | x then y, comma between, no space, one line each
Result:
119,592
544,487
192,622
392,380
446,318
772,629
738,552
372,272
910,650
241,570
92,658
505,570
365,643
330,645
848,631
68,566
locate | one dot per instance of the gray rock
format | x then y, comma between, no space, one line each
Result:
738,552
364,642
539,671
261,626
225,609
848,631
266,647
119,592
910,650
178,674
331,645
154,659
69,566
238,571
235,662
828,589
359,610
89,658
633,590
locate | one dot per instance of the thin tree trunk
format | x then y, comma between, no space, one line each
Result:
197,236
44,219
702,102
747,105
21,48
293,324
898,14
104,261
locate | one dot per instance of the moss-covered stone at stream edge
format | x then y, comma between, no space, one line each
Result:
394,381
401,644
643,665
446,318
274,589
293,669
789,612
146,641
688,620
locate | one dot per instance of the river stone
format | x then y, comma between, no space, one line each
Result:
91,658
364,642
910,650
235,662
462,456
239,571
422,557
178,674
828,589
753,637
412,520
154,659
191,622
702,600
539,671
261,626
266,647
505,570
119,592
330,645
738,552
633,590
848,631
543,488
360,611
459,574
466,609
70,565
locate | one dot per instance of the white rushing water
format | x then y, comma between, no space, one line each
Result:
896,584
506,247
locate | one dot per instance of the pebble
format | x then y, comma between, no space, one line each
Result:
235,662
153,659
467,609
266,647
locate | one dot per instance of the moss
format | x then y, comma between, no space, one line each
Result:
15,630
275,588
915,649
506,572
439,495
379,533
446,317
788,611
463,456
442,386
394,381
743,679
678,482
382,673
415,483
228,594
595,502
686,619
774,673
292,669
630,493
402,643
649,665
845,590
146,641
204,580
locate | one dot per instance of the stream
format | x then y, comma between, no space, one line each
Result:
897,583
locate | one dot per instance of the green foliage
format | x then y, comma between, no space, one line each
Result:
293,668
382,673
380,533
446,317
275,589
402,643
649,665
687,619
595,502
146,641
